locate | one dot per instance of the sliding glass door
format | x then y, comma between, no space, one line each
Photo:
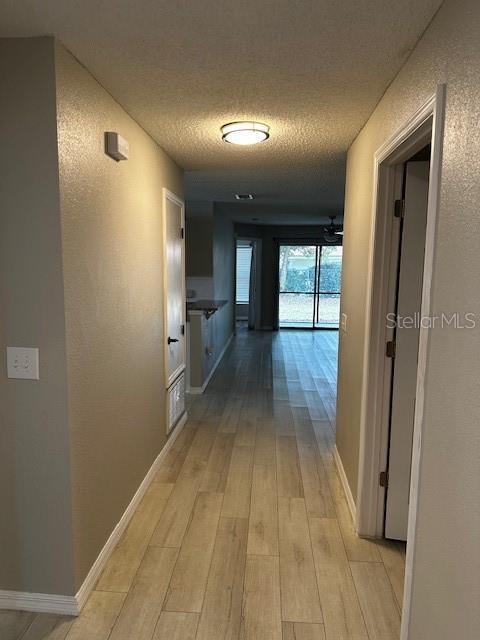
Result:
309,286
329,279
297,269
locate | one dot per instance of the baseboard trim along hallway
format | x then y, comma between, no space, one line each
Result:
39,602
72,605
200,390
345,485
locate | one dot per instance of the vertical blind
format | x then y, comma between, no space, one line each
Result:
244,261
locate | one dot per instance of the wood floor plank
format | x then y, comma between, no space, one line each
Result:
316,409
377,601
282,413
222,606
230,415
263,522
236,501
295,394
280,389
318,498
261,617
14,623
176,515
98,616
175,625
300,601
216,406
198,407
341,609
289,482
173,461
303,631
246,426
325,438
216,473
143,602
48,626
393,557
125,559
189,579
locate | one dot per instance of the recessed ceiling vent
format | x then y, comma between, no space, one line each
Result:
244,196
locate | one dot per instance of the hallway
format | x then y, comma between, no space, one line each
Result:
245,532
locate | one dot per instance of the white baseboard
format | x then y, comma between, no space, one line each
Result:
39,602
345,485
199,390
72,605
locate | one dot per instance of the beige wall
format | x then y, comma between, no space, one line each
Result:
80,278
111,232
223,278
446,581
35,520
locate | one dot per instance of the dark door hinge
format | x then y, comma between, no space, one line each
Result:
182,329
399,209
390,349
383,479
182,233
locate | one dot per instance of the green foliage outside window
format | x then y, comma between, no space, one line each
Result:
297,268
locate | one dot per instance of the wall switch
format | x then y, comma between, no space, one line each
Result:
344,322
22,362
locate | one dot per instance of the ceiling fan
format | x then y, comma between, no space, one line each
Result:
333,232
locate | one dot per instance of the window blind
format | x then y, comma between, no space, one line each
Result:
244,260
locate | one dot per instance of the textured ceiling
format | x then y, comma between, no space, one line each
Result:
312,69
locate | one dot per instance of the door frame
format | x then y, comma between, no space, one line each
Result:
258,279
395,286
425,125
169,195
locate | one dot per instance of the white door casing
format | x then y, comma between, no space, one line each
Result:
409,300
425,125
174,286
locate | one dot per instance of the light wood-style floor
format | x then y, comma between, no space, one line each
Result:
245,533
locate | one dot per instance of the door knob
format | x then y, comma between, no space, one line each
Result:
170,340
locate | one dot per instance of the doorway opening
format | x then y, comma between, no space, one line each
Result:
399,280
402,347
248,253
309,282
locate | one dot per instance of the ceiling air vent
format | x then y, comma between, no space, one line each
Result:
244,196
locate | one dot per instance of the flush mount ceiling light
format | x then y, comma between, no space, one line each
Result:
244,196
245,132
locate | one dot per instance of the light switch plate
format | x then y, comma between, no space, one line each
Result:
22,362
344,322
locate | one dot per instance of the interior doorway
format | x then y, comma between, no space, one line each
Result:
403,318
382,341
174,307
248,282
309,283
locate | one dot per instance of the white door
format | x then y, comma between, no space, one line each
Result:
409,297
174,286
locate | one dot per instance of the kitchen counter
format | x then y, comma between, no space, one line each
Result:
205,306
